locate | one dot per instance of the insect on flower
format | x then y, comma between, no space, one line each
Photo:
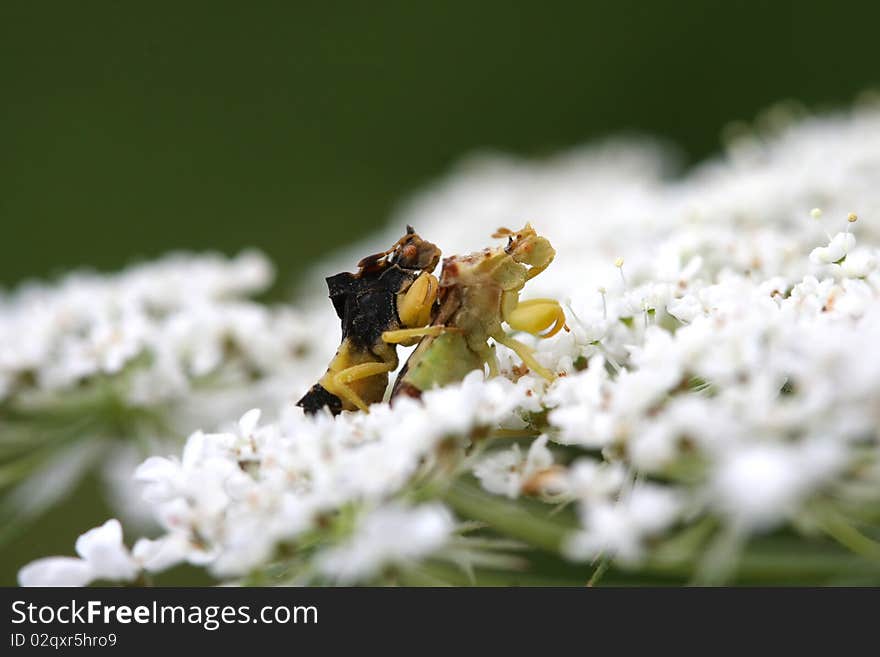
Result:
392,295
479,292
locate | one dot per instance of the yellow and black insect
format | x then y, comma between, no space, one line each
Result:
479,293
389,301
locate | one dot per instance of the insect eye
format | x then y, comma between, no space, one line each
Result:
410,252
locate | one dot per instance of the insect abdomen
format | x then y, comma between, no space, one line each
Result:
437,362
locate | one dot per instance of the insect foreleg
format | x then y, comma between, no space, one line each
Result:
415,305
362,371
526,354
339,381
410,336
536,316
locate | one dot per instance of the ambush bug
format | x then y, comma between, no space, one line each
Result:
478,294
388,301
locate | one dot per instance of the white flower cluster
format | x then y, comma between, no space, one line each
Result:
233,500
389,535
719,365
716,341
142,358
176,322
102,555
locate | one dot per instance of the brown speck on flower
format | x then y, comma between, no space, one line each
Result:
829,302
519,371
542,481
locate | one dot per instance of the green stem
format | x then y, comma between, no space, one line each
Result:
772,562
507,517
768,560
838,528
600,570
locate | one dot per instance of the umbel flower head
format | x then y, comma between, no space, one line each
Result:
715,402
100,370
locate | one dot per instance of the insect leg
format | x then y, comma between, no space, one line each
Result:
526,354
414,306
340,380
487,353
537,315
411,335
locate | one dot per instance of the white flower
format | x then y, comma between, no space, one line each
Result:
685,309
837,249
581,409
472,403
161,554
508,472
759,485
102,556
858,264
591,481
391,535
56,571
620,528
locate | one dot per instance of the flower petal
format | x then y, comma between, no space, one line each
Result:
56,571
105,553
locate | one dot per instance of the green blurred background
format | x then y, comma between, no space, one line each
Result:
127,129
